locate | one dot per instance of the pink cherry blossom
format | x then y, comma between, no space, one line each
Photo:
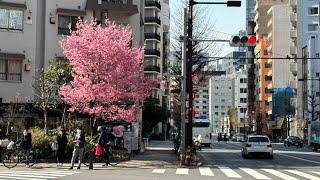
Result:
108,79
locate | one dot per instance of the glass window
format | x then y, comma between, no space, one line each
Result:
243,80
11,19
67,23
216,113
313,10
10,70
312,27
216,107
258,139
243,90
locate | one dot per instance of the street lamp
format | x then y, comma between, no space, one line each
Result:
229,3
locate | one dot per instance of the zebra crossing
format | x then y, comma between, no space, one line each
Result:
243,173
34,175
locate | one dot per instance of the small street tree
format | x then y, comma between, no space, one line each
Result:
47,84
108,80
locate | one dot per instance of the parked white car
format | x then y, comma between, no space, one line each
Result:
257,145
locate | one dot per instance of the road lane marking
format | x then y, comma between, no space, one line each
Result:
302,174
254,173
306,160
205,171
158,171
279,174
19,178
32,173
182,171
229,172
29,176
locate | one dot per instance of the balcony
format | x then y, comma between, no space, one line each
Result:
293,34
152,36
152,52
293,84
293,18
122,6
153,4
293,50
152,68
270,98
294,69
269,72
152,20
268,78
293,3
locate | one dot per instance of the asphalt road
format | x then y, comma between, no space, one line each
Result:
222,161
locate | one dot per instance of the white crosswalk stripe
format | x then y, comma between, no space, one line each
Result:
34,175
205,171
158,171
229,172
316,173
182,171
302,174
279,174
254,173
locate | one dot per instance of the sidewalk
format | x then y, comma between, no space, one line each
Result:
159,154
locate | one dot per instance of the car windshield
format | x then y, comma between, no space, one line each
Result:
258,139
295,138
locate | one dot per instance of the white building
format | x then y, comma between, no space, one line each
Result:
201,100
241,101
220,101
305,32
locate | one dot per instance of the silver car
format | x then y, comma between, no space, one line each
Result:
257,145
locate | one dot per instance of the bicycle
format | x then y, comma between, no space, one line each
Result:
116,156
12,157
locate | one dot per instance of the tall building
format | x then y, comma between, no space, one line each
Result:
201,100
263,80
233,62
305,24
250,25
241,102
220,101
278,74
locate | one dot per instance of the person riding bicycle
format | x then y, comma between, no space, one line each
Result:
103,141
26,144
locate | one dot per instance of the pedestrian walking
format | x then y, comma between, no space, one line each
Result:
79,142
62,142
103,141
26,144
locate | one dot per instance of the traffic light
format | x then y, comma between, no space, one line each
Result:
243,41
235,3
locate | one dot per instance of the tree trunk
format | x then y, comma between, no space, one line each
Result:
63,124
45,114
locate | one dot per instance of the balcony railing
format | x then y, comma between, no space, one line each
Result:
125,6
152,52
152,68
152,36
153,4
152,20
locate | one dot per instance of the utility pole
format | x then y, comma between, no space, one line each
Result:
183,84
189,75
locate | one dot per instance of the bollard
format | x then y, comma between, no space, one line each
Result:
91,160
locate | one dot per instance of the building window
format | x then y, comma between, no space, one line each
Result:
204,112
265,52
216,113
243,110
241,120
243,100
10,70
313,11
204,101
223,100
223,113
312,27
217,87
205,91
243,80
222,107
217,107
11,19
67,23
243,90
204,107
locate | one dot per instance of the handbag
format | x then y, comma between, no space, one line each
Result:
98,151
54,146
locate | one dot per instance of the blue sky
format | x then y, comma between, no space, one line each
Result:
228,20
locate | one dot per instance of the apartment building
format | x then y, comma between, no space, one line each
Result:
221,95
241,101
201,100
262,66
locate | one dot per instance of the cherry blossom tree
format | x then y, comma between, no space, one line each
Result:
108,79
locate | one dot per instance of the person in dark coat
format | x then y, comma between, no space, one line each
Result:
103,141
26,144
2,134
62,142
79,142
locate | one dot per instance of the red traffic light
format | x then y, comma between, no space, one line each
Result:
252,40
